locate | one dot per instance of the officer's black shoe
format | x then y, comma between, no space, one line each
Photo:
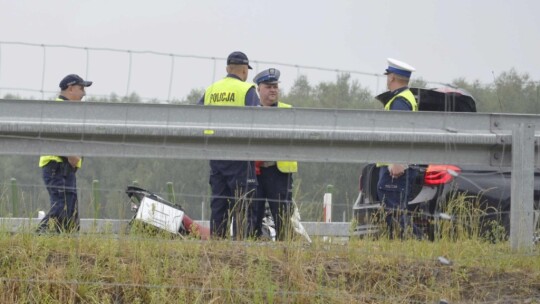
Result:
41,230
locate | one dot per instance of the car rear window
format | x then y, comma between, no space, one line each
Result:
448,101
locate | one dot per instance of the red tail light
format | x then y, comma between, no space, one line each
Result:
440,174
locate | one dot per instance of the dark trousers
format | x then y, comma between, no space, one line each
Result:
394,193
274,187
233,185
61,184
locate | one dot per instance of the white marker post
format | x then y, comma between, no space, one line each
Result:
327,207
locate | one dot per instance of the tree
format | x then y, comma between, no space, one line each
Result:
193,96
12,96
418,83
113,97
511,92
343,94
132,98
300,94
517,92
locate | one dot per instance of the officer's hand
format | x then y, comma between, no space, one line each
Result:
73,160
396,170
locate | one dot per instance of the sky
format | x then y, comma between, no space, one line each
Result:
443,40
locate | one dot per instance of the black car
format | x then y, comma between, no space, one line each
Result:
487,189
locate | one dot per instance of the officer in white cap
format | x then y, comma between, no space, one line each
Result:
395,180
398,75
274,178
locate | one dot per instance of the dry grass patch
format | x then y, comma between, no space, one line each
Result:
136,269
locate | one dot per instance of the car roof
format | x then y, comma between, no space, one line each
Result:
444,99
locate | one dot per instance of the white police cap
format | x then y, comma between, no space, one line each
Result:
270,76
399,68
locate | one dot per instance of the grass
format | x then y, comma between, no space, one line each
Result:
149,266
95,268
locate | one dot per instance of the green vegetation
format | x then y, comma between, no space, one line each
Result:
464,264
95,268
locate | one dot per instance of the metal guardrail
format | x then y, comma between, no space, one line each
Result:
249,133
195,132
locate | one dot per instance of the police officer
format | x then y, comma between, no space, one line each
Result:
274,177
233,183
395,180
58,172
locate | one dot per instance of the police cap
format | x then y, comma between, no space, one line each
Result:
238,58
73,79
270,76
399,68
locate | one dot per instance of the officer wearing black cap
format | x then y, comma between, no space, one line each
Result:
58,172
396,180
274,177
233,182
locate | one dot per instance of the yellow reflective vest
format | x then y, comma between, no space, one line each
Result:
45,159
408,95
286,166
228,91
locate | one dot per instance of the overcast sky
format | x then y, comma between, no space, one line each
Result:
443,40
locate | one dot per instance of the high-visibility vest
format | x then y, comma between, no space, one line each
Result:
282,165
408,95
228,91
45,159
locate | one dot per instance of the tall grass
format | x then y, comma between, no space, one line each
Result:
150,266
138,268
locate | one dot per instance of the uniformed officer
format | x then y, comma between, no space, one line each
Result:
274,177
233,183
395,180
58,172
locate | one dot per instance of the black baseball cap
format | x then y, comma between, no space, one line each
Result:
73,79
238,58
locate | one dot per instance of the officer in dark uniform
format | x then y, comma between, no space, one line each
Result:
233,182
396,180
59,171
274,177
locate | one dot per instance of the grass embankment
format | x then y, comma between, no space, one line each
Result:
88,268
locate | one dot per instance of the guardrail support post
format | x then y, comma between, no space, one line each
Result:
522,188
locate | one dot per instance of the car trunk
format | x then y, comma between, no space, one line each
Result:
370,176
444,100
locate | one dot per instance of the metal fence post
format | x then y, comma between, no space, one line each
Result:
327,204
202,210
522,187
170,192
14,197
327,207
96,198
